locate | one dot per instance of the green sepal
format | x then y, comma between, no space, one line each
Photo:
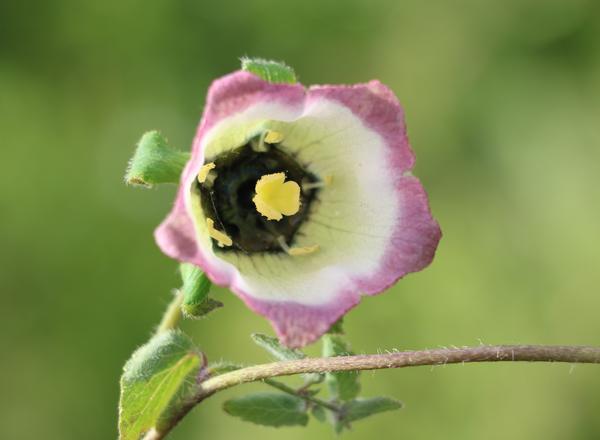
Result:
196,286
269,409
195,311
361,408
271,71
155,162
158,380
344,385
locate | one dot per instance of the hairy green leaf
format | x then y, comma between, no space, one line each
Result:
283,353
158,379
272,71
222,367
155,162
196,286
343,385
277,350
360,408
269,409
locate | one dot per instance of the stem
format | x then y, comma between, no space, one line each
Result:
526,353
497,353
172,315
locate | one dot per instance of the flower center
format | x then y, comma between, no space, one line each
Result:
253,196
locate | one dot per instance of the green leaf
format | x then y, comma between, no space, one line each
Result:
158,379
271,71
283,353
319,413
269,409
155,162
196,286
343,385
222,367
360,408
277,350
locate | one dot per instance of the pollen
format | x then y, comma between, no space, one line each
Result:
222,238
273,137
275,198
203,174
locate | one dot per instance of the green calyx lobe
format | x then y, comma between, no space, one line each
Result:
227,198
271,71
155,162
195,289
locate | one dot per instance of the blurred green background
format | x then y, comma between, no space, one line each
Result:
502,102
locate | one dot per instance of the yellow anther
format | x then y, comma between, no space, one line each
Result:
275,198
304,250
273,137
296,251
203,174
222,238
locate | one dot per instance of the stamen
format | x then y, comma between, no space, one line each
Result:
304,250
222,238
259,145
210,180
275,198
273,137
297,251
327,180
203,173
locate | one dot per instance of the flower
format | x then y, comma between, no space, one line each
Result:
300,200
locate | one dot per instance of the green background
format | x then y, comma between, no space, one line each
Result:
502,102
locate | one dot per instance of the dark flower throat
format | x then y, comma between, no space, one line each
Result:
228,198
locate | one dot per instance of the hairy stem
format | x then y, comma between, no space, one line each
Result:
172,315
443,356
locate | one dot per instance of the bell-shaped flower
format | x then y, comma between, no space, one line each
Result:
300,200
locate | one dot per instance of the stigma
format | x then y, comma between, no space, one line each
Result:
275,198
